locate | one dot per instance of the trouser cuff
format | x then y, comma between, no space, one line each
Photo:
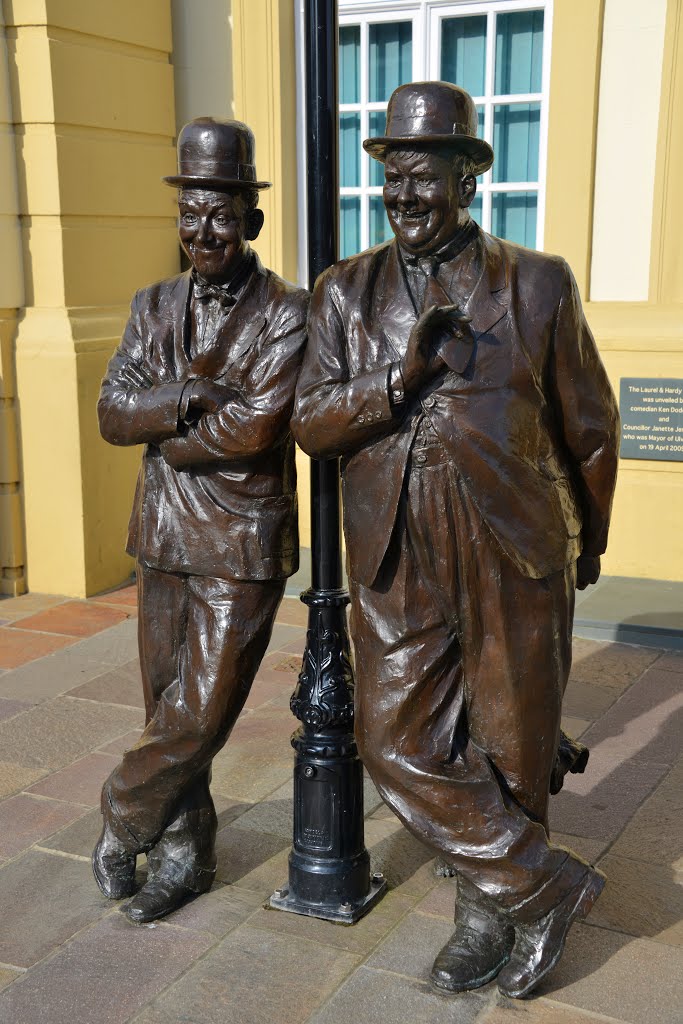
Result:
551,893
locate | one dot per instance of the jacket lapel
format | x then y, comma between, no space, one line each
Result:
489,300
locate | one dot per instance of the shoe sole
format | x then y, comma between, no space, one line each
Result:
475,983
588,896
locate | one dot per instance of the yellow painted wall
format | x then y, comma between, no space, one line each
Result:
93,107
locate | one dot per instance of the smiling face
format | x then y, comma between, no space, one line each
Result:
214,228
426,197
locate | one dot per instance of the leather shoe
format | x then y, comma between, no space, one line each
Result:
539,946
158,897
478,948
113,866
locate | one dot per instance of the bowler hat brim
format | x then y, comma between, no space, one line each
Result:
477,149
213,184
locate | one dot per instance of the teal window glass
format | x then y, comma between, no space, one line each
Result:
377,124
349,64
519,52
513,216
349,225
390,58
480,122
475,209
379,224
463,53
349,150
516,137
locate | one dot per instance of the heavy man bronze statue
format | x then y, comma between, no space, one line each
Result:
456,376
204,377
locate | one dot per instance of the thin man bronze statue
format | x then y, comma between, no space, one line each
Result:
455,374
204,377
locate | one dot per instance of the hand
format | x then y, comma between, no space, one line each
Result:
206,396
420,364
136,376
587,571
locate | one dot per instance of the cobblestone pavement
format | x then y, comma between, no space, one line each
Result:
70,703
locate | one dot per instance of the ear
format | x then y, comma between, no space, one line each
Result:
467,190
253,224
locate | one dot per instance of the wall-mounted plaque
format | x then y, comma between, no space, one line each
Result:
651,418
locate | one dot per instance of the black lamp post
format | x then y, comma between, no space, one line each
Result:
329,867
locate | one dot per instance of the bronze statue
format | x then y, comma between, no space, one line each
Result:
204,377
456,376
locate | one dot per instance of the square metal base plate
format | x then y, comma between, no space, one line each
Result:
343,913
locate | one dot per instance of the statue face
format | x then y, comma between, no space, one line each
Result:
426,199
213,228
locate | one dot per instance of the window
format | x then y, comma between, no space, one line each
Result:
498,51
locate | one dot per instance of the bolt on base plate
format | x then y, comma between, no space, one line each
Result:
342,913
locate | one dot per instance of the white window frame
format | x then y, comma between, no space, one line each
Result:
426,16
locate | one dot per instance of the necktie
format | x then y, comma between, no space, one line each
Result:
454,345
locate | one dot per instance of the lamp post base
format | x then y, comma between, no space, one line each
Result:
343,913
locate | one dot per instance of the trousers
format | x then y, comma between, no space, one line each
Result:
201,642
461,665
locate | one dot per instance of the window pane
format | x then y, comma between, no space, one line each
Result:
516,133
349,150
349,225
480,122
349,61
519,52
475,209
514,217
391,58
463,53
377,124
379,225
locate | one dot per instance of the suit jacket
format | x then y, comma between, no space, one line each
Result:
231,510
531,425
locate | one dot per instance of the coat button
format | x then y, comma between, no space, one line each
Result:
429,402
378,415
361,419
421,459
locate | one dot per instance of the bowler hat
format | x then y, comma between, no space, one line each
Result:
431,114
216,155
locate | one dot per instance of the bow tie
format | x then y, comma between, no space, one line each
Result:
220,292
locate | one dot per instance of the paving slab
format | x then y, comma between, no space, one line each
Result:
15,777
412,946
293,612
79,838
599,804
240,851
7,977
284,635
10,708
646,723
253,976
225,907
74,618
376,997
69,900
19,647
13,608
102,976
122,743
25,820
117,645
610,666
79,783
645,900
654,833
634,980
120,685
671,662
590,849
54,734
51,676
360,938
127,596
539,1011
407,864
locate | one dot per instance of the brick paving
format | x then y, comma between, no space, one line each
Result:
70,703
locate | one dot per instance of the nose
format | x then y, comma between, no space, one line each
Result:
406,193
203,233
